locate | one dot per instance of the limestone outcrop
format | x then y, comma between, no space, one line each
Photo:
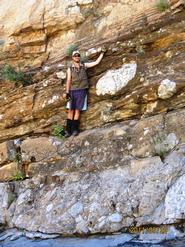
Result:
105,180
127,167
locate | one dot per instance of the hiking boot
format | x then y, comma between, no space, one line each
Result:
68,128
67,134
75,127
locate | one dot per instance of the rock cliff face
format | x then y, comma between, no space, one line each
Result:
127,167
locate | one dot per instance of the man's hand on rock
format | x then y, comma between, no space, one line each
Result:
103,49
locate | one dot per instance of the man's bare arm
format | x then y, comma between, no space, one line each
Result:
92,64
68,83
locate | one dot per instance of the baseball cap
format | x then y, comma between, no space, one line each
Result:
75,52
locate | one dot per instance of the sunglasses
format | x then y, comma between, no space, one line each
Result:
77,55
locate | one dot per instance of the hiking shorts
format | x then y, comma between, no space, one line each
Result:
78,100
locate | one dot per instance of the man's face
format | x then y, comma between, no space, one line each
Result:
76,57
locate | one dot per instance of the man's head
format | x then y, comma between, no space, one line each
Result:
76,56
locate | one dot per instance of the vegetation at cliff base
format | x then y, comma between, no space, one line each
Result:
58,130
162,5
18,175
16,76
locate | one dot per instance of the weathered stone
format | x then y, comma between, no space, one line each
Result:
153,238
164,144
6,198
166,89
14,234
154,235
142,165
76,209
144,135
73,154
37,149
7,151
175,200
174,124
33,235
115,218
52,19
7,172
114,80
98,241
102,201
124,141
81,226
134,183
61,75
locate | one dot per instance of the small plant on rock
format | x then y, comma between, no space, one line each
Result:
70,49
18,77
164,144
58,130
161,149
18,175
162,5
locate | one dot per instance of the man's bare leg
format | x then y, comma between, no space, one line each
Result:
70,114
77,115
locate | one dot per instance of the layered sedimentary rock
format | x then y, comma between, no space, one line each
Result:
127,166
130,81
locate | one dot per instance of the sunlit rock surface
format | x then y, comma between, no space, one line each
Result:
127,166
114,80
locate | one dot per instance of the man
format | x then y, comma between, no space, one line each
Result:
76,91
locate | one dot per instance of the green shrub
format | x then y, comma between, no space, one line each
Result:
162,5
58,130
18,175
18,77
70,49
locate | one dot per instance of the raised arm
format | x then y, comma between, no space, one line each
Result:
98,60
68,83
